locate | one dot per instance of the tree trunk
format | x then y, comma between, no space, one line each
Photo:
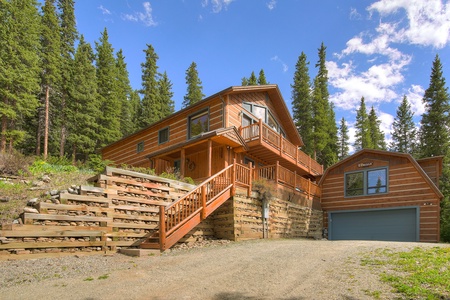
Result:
62,143
46,121
3,134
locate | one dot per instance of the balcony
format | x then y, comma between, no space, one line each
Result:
259,137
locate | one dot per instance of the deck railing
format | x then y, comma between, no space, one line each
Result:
261,131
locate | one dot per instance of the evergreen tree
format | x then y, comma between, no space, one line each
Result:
110,105
51,62
343,140
19,68
123,91
69,35
435,123
376,135
151,105
362,134
262,78
302,103
84,110
194,86
244,81
435,136
252,80
324,123
136,109
166,94
404,132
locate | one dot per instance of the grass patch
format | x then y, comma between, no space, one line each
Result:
90,278
104,276
417,274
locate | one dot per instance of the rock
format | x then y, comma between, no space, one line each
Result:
55,201
32,202
45,178
30,210
54,192
72,191
4,199
38,183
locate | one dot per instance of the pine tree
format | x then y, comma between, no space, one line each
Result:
324,123
69,35
51,62
343,140
136,109
194,86
252,80
83,111
435,123
362,134
376,135
262,78
166,95
302,103
404,132
110,105
19,68
435,135
123,91
244,81
151,105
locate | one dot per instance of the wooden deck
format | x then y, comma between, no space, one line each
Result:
260,138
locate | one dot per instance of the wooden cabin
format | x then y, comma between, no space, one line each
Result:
380,195
249,124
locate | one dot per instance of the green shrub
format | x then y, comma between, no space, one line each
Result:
14,163
43,167
97,164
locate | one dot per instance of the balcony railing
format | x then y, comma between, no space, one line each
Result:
262,132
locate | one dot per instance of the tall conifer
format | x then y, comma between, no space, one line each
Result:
194,86
362,134
404,133
123,91
110,105
151,105
302,103
19,67
344,145
166,95
262,78
376,135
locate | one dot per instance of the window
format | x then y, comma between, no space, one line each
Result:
163,135
198,123
261,112
367,182
140,147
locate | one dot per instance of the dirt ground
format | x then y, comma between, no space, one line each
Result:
259,269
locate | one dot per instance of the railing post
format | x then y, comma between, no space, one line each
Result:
309,188
277,167
295,181
260,123
203,198
162,228
281,143
249,190
233,178
309,165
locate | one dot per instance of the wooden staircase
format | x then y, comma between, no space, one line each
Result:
178,218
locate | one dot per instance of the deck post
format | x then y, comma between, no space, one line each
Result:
309,188
233,178
183,162
162,228
203,198
277,166
281,144
260,123
295,181
209,157
250,178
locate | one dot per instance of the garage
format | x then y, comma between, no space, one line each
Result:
394,224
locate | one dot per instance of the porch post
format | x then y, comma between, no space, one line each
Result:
277,167
183,162
250,178
209,157
260,123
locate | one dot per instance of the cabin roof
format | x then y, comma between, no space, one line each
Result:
389,153
271,89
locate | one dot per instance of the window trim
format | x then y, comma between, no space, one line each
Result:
140,147
366,187
268,114
197,114
159,135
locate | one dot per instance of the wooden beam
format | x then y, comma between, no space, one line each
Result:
183,162
209,157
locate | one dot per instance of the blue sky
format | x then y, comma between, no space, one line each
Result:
381,50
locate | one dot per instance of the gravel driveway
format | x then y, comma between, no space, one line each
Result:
259,269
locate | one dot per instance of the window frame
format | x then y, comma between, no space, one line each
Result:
140,147
197,114
160,132
366,187
249,107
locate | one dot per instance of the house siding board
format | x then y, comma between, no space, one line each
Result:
406,187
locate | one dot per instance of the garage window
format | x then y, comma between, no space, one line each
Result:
367,182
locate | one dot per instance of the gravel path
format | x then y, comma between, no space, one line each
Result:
260,269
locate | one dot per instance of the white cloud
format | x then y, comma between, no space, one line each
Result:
104,10
428,21
415,96
145,17
283,64
217,5
271,4
354,14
